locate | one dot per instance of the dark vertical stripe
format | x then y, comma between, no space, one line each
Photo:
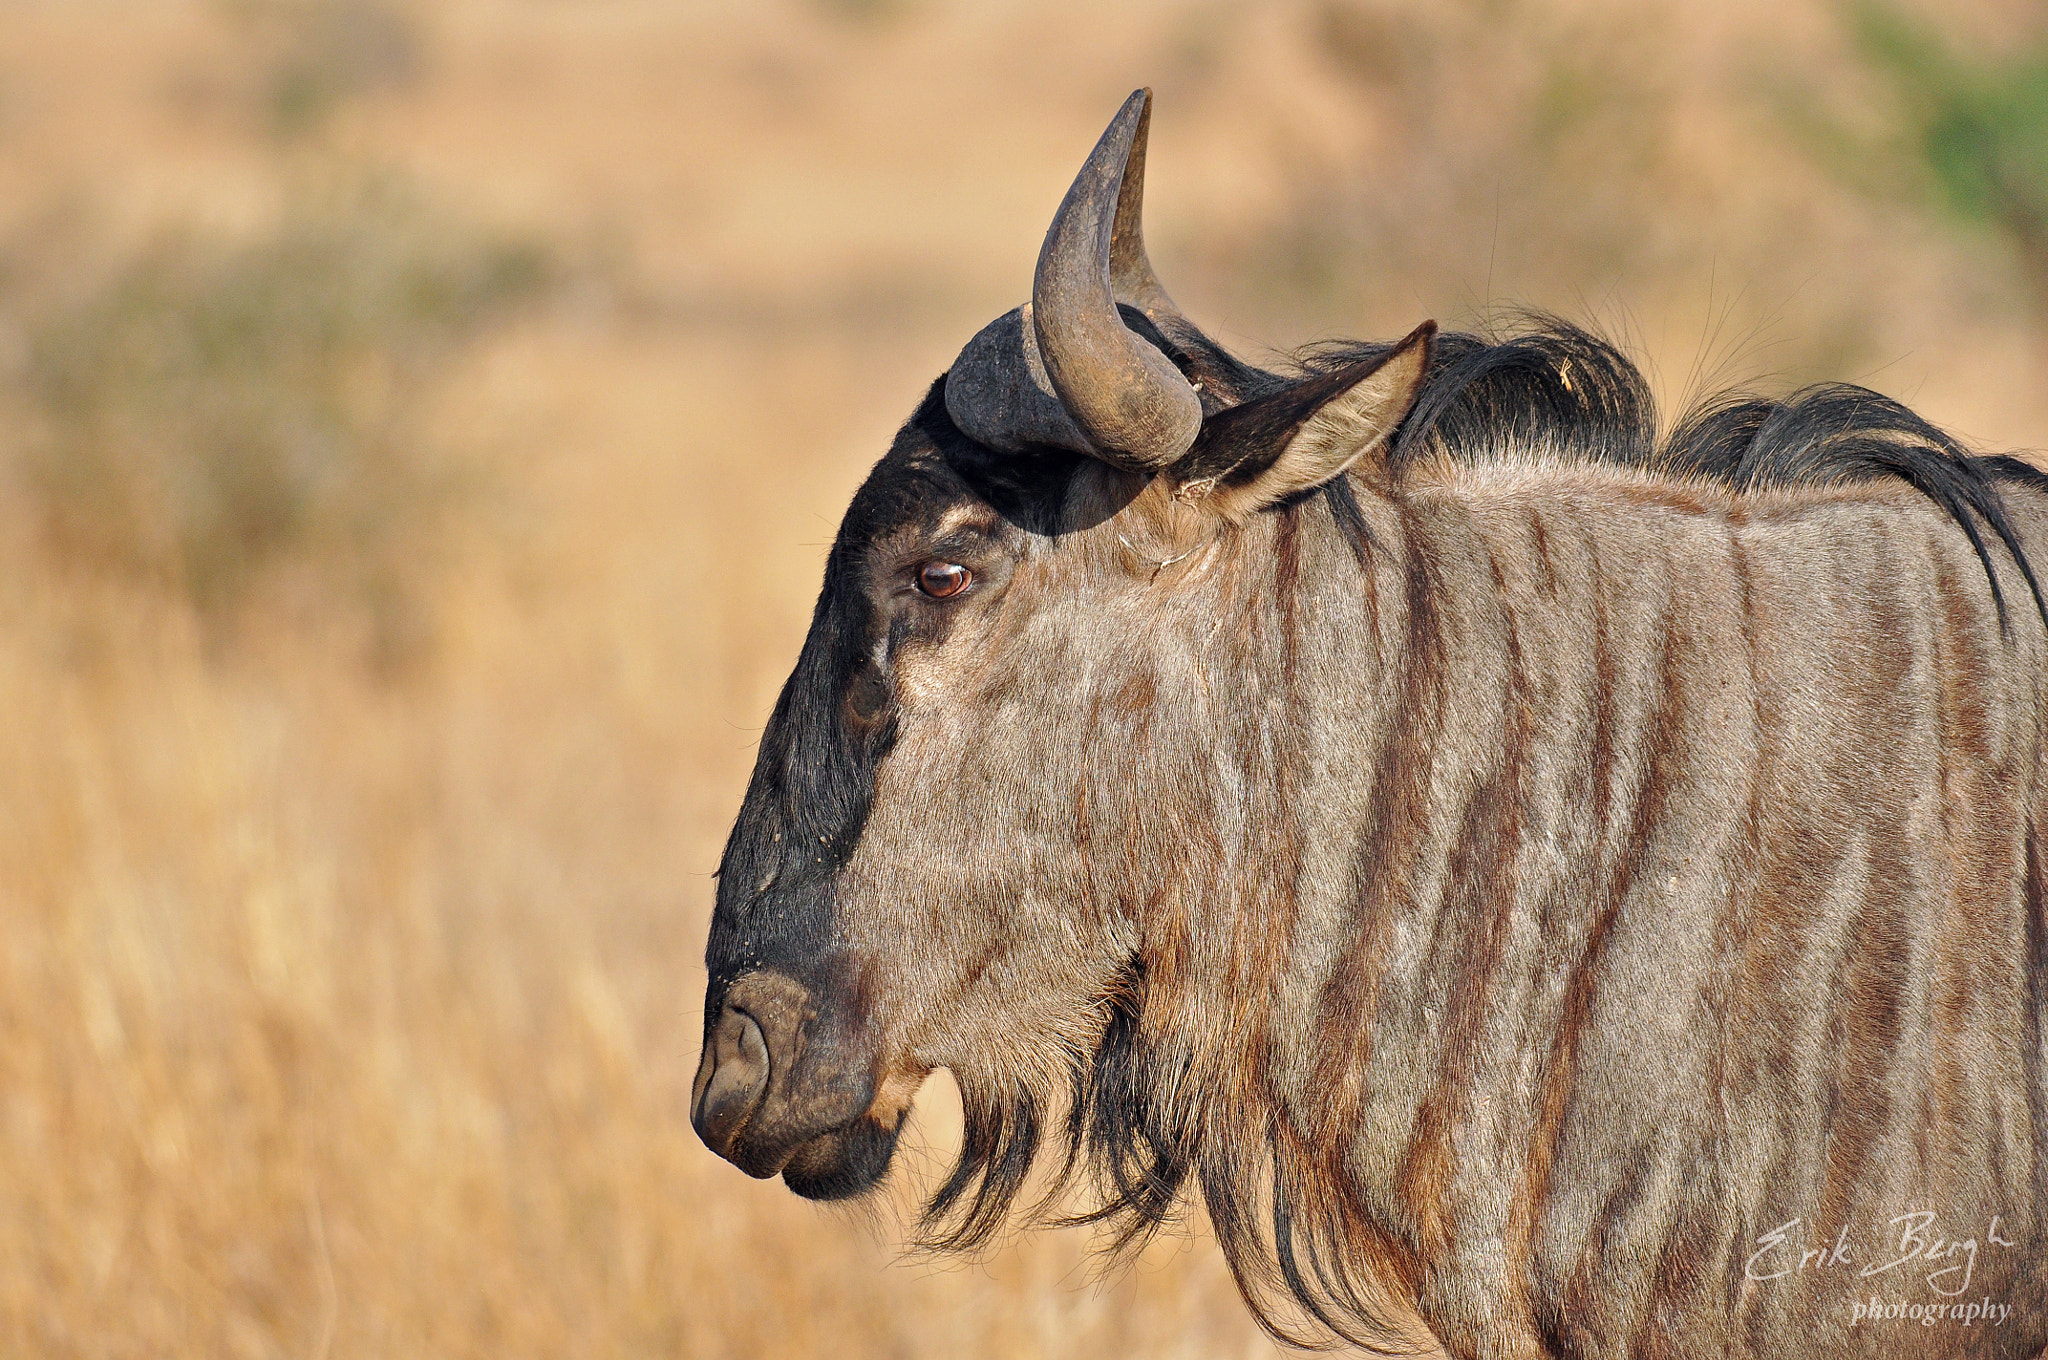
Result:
1600,762
1479,904
1546,570
1735,923
1395,818
2036,1020
1350,518
1286,580
1645,805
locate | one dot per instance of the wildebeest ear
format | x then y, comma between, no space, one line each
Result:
1260,453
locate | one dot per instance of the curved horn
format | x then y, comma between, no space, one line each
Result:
1064,370
1131,402
1131,280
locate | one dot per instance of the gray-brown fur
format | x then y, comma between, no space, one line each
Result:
1503,884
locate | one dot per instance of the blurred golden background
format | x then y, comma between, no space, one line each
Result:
421,426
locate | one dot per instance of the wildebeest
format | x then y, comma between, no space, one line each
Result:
1545,888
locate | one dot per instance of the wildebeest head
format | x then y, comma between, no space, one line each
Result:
974,812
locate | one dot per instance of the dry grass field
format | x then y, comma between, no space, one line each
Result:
420,432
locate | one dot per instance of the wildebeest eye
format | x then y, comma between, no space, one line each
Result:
941,579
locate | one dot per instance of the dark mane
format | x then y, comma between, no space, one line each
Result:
1575,397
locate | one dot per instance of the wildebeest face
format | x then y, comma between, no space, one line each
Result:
1012,653
850,908
882,898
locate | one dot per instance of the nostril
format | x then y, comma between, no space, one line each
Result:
731,1080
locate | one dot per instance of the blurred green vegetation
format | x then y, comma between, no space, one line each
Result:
206,413
247,419
314,56
1963,134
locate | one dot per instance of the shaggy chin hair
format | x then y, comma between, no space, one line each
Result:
1139,1131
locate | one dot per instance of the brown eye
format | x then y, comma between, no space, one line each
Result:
941,579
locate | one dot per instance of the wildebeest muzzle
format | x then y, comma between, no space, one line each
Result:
785,1086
